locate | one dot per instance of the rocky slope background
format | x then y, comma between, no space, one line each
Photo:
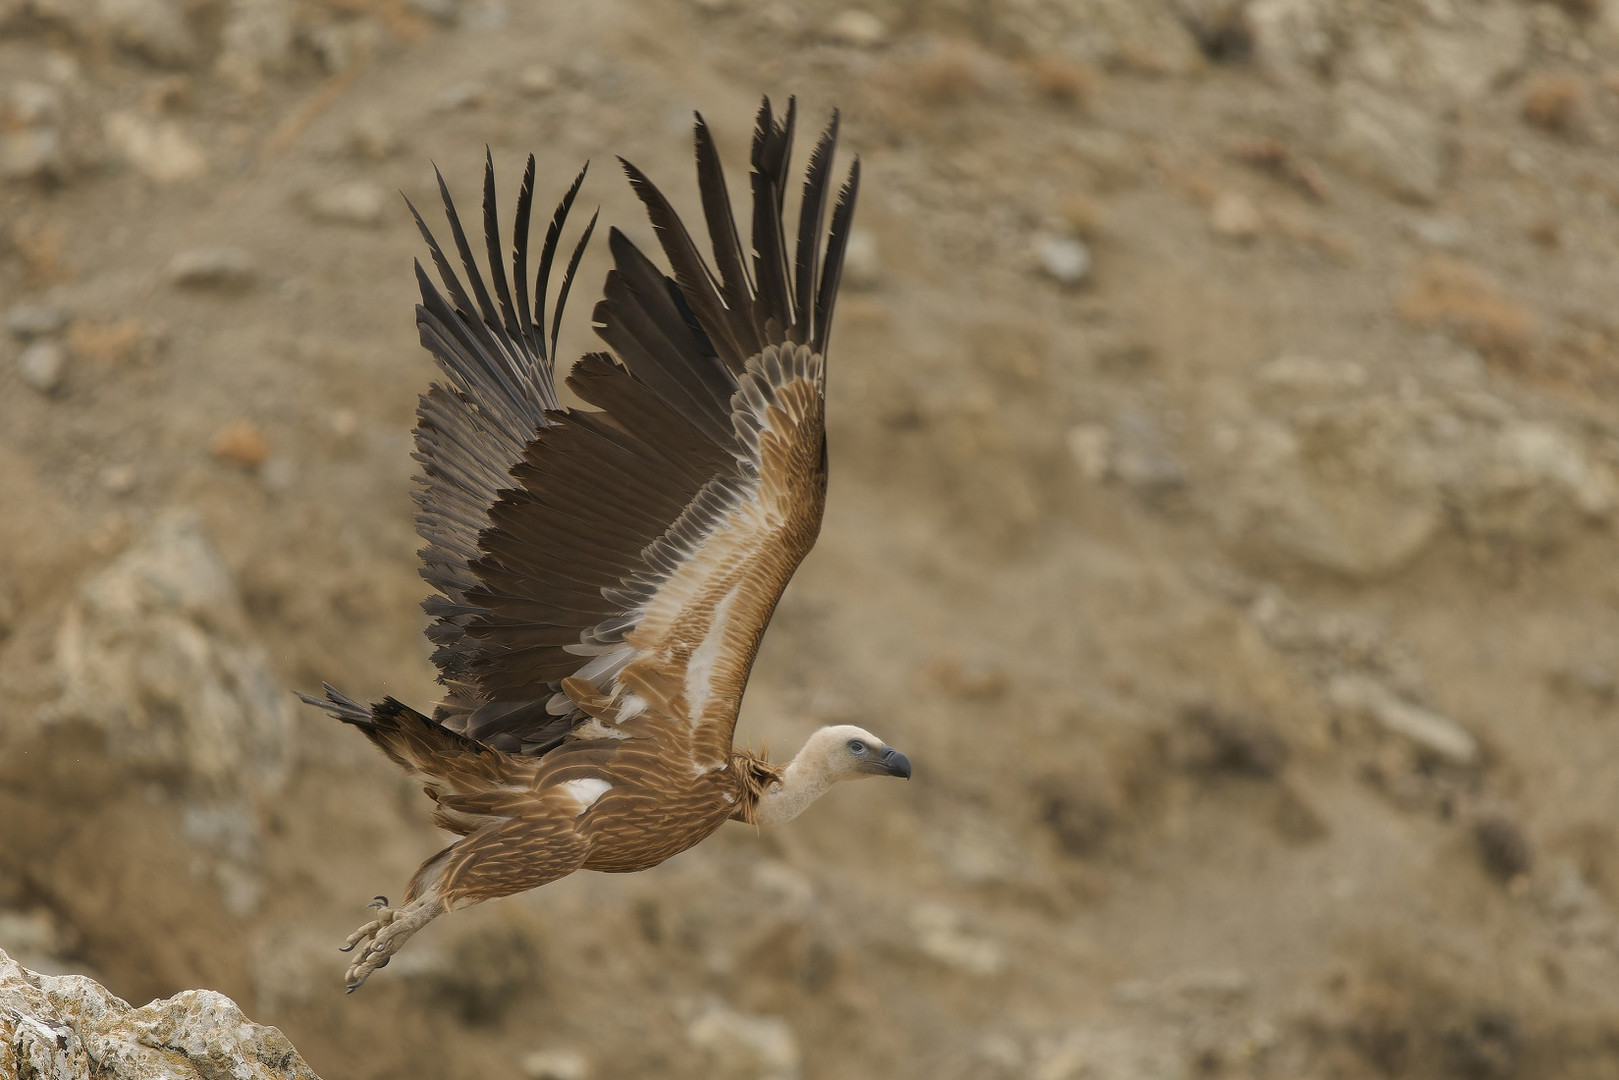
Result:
1225,427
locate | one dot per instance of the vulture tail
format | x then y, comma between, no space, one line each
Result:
412,741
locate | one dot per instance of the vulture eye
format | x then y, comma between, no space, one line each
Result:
857,748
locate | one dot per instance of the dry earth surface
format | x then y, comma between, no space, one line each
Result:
1225,425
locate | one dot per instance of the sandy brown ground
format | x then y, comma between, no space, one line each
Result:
1249,608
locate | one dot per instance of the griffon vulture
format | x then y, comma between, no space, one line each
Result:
604,575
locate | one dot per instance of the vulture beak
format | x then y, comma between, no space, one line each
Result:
896,764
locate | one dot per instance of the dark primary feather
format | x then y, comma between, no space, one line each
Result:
472,429
837,244
736,286
772,143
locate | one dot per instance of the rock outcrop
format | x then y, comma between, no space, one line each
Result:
69,1027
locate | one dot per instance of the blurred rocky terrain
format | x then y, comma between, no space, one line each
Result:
1225,435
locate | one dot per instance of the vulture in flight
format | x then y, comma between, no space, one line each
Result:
603,575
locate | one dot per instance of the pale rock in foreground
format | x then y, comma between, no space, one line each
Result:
70,1027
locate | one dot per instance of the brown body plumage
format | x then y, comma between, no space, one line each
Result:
604,576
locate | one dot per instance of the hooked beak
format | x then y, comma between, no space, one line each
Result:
896,764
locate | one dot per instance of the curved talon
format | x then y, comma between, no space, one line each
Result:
382,936
378,901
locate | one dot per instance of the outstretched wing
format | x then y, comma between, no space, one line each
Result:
472,430
634,565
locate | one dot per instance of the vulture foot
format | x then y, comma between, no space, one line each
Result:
384,935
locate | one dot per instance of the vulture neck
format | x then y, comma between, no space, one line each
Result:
804,780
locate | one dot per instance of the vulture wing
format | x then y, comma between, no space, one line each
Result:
596,564
472,431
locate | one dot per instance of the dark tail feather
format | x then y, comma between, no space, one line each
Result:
412,741
340,705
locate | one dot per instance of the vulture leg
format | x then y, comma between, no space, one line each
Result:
384,935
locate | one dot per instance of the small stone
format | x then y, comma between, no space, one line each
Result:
1441,234
257,40
862,266
42,366
224,269
1502,846
372,136
1466,301
857,27
1551,456
555,1065
28,321
1229,742
444,11
940,935
1091,446
1001,1052
117,479
743,1045
537,80
345,423
1556,103
155,30
279,474
162,151
1425,729
1312,376
122,341
462,97
170,94
354,202
341,45
1390,141
32,104
240,442
33,153
1234,215
1142,459
1215,984
1064,258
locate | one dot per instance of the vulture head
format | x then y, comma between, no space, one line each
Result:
839,752
849,752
